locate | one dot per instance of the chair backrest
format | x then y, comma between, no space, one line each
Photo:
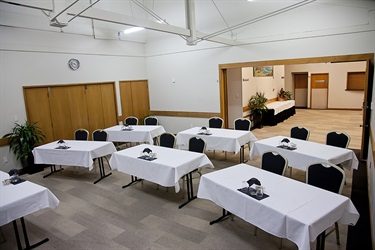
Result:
131,120
301,133
326,176
197,144
337,139
215,122
150,120
242,124
167,140
99,135
274,162
81,134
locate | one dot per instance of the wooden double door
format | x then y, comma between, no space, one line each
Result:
60,110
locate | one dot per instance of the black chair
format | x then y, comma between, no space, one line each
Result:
197,144
301,133
215,122
242,124
81,134
131,120
99,135
167,140
150,120
337,139
274,162
329,177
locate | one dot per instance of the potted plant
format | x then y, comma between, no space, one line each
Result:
257,106
22,140
284,95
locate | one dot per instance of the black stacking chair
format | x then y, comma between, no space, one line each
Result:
301,133
99,135
337,139
167,140
150,120
197,144
131,120
215,122
274,162
81,134
242,124
329,177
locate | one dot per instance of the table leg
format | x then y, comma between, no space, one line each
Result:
224,216
242,154
28,246
190,190
53,170
134,180
102,170
320,241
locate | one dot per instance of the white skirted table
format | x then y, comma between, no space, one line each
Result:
228,140
19,200
167,169
77,153
306,153
137,133
293,210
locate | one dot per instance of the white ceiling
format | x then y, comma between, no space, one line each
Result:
223,21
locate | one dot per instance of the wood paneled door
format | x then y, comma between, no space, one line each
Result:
134,99
60,110
319,91
300,89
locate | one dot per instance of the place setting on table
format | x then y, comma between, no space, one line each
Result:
277,204
302,153
161,165
74,153
134,133
228,140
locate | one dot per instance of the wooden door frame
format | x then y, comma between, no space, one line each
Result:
311,88
333,59
294,85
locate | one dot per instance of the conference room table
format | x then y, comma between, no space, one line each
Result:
166,170
77,153
306,153
19,200
293,209
137,133
228,140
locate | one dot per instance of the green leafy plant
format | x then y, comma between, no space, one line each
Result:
257,103
284,94
23,139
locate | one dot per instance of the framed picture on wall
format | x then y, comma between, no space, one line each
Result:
262,71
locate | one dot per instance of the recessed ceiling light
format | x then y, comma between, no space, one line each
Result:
134,29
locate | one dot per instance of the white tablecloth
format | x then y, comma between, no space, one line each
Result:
80,153
166,170
228,140
140,133
22,199
307,153
280,106
293,210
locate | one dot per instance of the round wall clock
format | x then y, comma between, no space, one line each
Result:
73,64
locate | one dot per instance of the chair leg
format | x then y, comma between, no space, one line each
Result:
281,243
337,233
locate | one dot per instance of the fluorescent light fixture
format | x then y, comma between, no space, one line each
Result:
134,29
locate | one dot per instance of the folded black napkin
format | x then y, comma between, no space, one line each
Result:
147,158
246,190
286,147
62,147
202,133
147,150
17,181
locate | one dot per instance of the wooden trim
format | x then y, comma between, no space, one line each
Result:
67,84
4,142
344,109
183,114
271,100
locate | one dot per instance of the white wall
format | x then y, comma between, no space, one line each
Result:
338,97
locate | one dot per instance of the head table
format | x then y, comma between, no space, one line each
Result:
294,210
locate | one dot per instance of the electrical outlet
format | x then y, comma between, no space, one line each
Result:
5,159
